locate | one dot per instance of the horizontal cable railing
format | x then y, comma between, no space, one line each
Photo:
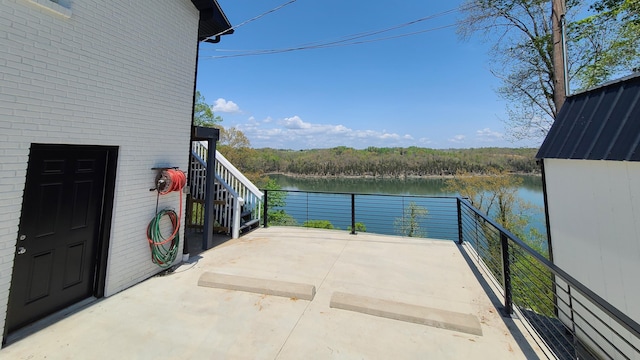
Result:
573,321
570,319
414,216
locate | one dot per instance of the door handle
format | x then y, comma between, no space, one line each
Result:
21,250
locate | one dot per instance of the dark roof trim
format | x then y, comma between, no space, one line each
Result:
201,133
598,124
213,21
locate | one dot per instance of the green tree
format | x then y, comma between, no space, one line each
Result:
360,227
318,224
409,224
203,114
495,195
276,200
610,49
236,147
233,138
604,45
390,162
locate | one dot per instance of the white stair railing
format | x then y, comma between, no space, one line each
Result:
234,192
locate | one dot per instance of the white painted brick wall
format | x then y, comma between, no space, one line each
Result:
113,73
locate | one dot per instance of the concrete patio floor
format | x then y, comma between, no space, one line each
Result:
171,317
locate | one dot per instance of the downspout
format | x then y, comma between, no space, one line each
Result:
549,244
185,244
546,210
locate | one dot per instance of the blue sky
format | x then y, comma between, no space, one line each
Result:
430,89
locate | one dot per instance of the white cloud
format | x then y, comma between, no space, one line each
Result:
252,121
224,106
341,129
487,135
294,133
457,139
295,122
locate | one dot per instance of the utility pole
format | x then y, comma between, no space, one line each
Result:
558,11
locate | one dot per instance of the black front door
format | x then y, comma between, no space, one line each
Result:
56,252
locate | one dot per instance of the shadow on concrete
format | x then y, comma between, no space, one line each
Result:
193,240
517,334
194,244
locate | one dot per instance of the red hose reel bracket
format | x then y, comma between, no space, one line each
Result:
169,179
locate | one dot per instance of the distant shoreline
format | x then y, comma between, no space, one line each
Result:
412,177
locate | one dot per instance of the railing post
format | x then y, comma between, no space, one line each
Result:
353,214
207,236
237,211
265,209
506,270
459,206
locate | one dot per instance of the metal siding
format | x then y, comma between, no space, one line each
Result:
633,128
623,129
600,140
556,136
600,124
579,125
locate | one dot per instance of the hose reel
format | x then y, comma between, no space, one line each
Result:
169,180
164,249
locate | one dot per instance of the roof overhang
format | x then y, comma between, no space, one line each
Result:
598,124
213,21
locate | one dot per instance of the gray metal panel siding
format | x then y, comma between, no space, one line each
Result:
622,129
624,143
600,124
579,125
555,133
602,141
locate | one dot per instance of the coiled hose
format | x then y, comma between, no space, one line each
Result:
163,255
165,249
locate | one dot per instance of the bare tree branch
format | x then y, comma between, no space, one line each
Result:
601,46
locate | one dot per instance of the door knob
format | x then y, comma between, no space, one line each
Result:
21,250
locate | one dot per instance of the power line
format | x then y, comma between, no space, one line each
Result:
253,18
325,46
347,40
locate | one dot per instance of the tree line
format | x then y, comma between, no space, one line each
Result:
383,162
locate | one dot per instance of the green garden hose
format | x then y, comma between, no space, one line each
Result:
163,250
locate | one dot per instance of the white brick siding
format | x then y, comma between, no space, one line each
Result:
118,73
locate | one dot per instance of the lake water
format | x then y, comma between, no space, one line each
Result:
530,191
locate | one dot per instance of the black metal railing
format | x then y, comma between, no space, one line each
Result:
568,317
415,216
573,321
